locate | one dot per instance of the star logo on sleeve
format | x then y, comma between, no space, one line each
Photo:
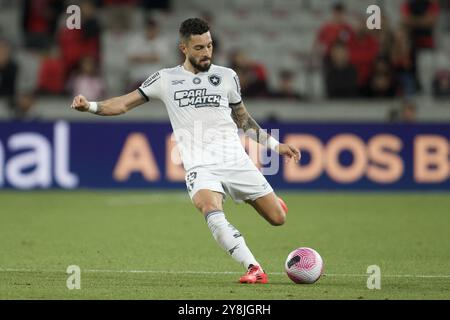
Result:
214,79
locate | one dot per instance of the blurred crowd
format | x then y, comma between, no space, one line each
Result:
359,62
68,59
355,61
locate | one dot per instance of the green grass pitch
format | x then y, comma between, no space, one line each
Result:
154,245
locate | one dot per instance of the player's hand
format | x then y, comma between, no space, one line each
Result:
289,151
80,103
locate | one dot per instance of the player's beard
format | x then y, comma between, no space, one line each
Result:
198,66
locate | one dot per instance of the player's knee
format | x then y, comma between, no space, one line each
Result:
207,202
278,219
207,206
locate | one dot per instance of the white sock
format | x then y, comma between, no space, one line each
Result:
229,238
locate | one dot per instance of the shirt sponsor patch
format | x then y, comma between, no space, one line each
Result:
196,98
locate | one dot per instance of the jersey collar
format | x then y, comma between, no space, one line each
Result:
195,74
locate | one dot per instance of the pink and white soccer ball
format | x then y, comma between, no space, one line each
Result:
304,265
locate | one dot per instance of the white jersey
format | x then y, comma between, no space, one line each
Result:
199,110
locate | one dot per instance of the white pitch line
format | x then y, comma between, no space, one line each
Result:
222,272
388,275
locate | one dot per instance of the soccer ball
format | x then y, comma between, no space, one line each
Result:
304,265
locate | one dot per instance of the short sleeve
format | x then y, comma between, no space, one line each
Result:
234,95
152,87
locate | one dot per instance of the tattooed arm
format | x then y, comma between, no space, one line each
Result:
245,122
110,107
251,128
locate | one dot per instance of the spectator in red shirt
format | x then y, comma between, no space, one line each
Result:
39,22
252,75
363,50
420,17
75,44
337,29
51,75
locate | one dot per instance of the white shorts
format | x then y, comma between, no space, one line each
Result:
242,182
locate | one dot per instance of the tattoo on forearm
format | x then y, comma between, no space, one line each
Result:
251,128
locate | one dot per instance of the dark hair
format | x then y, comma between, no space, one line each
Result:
338,6
193,26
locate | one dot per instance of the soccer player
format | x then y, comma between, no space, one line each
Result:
205,109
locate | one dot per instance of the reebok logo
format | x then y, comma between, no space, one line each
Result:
175,82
